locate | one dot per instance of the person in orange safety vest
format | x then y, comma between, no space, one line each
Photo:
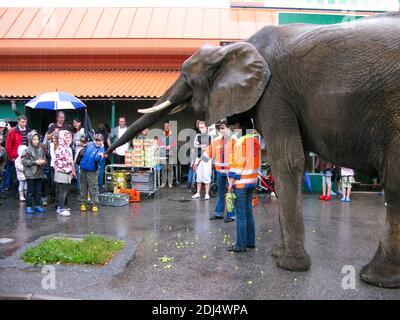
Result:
243,177
220,150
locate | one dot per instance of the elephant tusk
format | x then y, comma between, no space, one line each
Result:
161,106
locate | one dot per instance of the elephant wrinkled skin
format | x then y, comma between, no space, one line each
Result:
333,90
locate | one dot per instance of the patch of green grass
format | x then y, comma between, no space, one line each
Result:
92,250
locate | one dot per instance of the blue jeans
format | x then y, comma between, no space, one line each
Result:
190,176
245,226
10,177
101,170
222,182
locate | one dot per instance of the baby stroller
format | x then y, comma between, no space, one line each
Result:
266,181
213,184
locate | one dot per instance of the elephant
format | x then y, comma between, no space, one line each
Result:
330,89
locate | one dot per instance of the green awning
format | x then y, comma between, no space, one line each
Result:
6,112
288,17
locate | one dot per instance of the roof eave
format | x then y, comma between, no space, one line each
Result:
103,46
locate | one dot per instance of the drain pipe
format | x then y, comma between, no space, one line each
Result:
14,108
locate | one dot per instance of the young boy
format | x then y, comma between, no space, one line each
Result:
89,164
34,161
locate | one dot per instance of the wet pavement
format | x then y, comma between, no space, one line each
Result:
180,254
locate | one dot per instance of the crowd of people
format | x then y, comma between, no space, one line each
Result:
42,168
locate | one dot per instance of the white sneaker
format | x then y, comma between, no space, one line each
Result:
207,197
197,195
64,213
60,210
163,185
170,185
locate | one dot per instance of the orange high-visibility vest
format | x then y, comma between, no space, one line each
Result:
246,161
222,156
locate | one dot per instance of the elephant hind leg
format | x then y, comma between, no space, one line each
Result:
384,268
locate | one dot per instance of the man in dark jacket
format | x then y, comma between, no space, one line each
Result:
59,125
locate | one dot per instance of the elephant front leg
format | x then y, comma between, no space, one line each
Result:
384,268
288,166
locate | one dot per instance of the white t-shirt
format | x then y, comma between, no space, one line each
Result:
121,149
344,172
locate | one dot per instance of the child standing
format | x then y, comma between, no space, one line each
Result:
33,160
93,154
347,179
64,170
20,173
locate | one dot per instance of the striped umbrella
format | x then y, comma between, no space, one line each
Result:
55,101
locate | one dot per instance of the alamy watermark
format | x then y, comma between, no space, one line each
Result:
349,280
49,280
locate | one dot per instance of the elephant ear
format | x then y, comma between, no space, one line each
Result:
240,80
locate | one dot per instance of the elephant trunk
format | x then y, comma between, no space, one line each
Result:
140,124
178,93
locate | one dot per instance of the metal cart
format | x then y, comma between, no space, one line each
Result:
146,180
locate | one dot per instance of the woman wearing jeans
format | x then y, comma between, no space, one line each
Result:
64,169
243,177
